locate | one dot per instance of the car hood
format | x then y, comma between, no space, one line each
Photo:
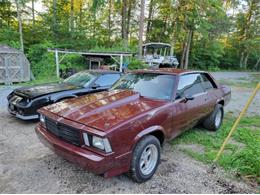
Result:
40,90
104,110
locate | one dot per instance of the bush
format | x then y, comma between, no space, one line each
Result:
74,61
136,64
42,62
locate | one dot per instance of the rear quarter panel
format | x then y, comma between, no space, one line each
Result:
226,93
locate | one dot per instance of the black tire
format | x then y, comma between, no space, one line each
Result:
135,172
210,122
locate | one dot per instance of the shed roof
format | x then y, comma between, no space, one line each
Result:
7,49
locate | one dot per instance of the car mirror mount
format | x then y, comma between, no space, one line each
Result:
187,98
95,86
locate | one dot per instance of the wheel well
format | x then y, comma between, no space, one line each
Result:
221,102
159,135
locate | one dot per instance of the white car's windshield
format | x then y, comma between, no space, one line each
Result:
157,86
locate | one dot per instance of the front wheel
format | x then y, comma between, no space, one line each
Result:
146,157
214,120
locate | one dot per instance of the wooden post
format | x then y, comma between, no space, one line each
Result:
121,63
171,51
57,63
90,64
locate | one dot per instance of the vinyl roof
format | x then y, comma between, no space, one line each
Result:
164,71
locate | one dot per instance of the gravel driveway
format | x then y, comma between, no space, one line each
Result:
26,166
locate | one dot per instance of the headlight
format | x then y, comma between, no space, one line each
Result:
97,142
42,118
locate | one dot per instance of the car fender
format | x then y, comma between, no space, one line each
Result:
147,131
59,98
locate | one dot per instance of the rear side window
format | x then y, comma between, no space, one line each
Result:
107,79
189,85
207,82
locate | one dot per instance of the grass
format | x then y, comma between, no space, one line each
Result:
242,153
38,81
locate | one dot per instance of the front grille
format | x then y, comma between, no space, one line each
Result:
63,131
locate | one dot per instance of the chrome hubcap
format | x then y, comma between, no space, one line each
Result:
218,118
148,159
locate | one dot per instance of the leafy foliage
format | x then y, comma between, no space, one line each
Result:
206,55
241,153
206,34
136,64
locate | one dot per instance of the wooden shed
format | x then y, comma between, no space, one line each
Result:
14,66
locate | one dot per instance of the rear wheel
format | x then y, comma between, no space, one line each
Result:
214,120
146,157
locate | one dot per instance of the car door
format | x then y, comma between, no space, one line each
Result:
186,113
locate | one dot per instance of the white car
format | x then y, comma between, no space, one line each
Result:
159,55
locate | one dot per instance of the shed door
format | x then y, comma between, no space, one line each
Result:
11,68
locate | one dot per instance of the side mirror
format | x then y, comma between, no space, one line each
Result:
95,86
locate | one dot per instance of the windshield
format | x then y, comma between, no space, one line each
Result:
81,79
157,86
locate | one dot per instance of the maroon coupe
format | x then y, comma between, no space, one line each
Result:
122,130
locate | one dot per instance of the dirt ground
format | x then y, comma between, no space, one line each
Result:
26,166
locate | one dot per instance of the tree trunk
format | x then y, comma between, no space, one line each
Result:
245,31
241,59
188,49
123,32
109,20
71,16
164,29
184,47
94,26
257,64
20,24
245,60
33,15
55,30
175,33
129,14
9,14
149,20
80,15
141,28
